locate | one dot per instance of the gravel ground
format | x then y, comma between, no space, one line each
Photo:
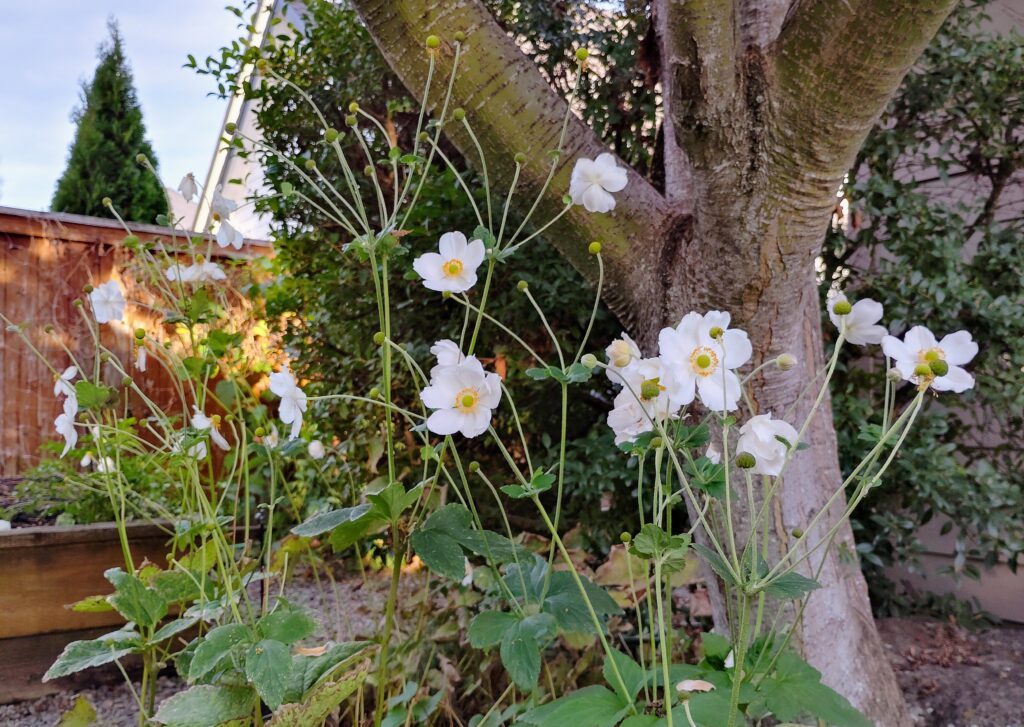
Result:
952,677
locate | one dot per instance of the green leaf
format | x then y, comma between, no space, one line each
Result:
566,604
220,342
81,714
317,704
791,585
633,676
578,373
215,647
393,500
93,396
440,552
718,565
286,623
484,235
487,628
516,492
653,542
795,689
134,600
205,706
538,374
308,670
593,706
520,654
91,604
715,646
79,655
172,628
327,521
268,664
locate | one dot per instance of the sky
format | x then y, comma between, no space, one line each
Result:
48,47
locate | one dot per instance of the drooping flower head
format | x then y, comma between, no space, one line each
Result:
859,324
187,186
228,236
760,436
107,302
926,362
293,399
650,393
63,386
65,424
204,423
593,180
703,353
221,206
447,352
453,268
199,272
463,396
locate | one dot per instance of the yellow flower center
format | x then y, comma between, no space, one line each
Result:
452,267
651,389
466,400
704,361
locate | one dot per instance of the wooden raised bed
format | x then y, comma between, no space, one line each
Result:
41,570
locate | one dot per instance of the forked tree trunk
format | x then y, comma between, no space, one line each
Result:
766,104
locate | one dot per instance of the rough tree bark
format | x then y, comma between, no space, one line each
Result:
766,103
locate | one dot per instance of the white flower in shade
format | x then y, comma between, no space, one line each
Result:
293,400
220,205
593,180
694,685
228,236
621,352
5,525
63,386
463,396
272,438
713,455
316,449
924,361
198,450
200,272
730,660
204,423
107,302
703,353
760,436
86,460
453,268
650,394
447,353
861,322
65,424
105,465
187,186
140,359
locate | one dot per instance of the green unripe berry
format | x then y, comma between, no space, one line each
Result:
519,158
309,164
625,537
842,308
378,338
923,370
582,54
353,107
930,356
939,367
351,120
523,286
459,114
433,42
745,460
594,248
474,466
140,333
331,135
260,432
460,37
230,127
589,360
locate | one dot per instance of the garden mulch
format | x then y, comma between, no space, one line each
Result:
952,677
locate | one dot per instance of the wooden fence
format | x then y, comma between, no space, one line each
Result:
45,261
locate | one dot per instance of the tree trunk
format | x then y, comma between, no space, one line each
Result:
766,104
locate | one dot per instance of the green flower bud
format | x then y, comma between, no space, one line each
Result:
939,367
107,202
49,328
460,37
374,393
310,164
378,338
351,120
423,136
459,114
368,170
582,54
140,333
894,375
433,42
260,432
656,442
87,289
331,135
262,65
842,308
625,537
105,357
353,107
522,285
594,248
786,361
745,460
126,381
474,466
798,533
77,302
589,360
650,389
716,332
141,158
519,158
130,241
167,345
230,127
446,294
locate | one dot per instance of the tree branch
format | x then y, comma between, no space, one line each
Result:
512,109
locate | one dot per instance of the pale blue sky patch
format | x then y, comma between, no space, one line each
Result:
48,47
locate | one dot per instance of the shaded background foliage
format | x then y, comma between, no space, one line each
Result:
954,263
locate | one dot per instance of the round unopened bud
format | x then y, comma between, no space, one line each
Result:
786,361
522,285
625,537
399,446
374,393
331,135
459,36
716,332
77,302
745,460
126,381
368,170
589,360
582,54
49,328
140,158
650,389
656,442
894,374
351,120
474,466
423,136
378,338
446,294
798,533
842,307
230,127
923,370
594,248
140,333
105,357
433,41
310,164
260,431
459,114
107,202
87,289
130,241
353,107
262,65
519,158
939,367
167,345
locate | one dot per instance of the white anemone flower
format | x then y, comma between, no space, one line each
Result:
760,436
621,353
861,322
453,268
463,396
204,423
228,236
272,438
105,465
293,400
704,352
140,359
198,450
713,455
63,387
200,272
943,359
447,353
107,302
220,205
188,187
65,424
650,393
593,181
316,449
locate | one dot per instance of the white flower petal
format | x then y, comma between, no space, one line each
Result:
958,348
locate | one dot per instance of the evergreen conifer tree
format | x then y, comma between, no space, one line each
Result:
110,135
